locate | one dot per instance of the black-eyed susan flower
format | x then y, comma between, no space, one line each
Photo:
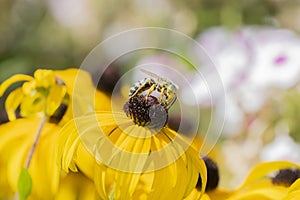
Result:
278,180
211,189
294,191
132,154
44,103
50,93
16,140
40,95
270,181
47,180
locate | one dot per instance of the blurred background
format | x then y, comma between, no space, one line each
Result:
59,34
254,43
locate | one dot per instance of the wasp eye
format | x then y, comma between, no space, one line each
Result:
212,175
146,111
286,177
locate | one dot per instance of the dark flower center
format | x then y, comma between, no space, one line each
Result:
59,114
146,111
212,175
286,177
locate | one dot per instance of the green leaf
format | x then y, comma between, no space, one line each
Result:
24,184
112,195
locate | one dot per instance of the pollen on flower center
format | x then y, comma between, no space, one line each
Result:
146,111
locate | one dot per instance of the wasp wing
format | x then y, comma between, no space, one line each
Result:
151,74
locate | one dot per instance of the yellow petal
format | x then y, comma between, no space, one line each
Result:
32,106
293,195
12,102
193,178
219,194
44,78
263,169
16,141
80,85
102,102
14,79
294,191
87,161
68,143
201,168
117,144
195,194
85,96
29,88
259,186
55,98
104,180
76,186
17,160
268,193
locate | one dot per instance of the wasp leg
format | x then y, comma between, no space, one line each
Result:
170,103
140,87
162,93
151,89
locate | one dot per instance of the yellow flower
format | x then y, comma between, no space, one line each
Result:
211,189
294,191
15,143
76,186
50,93
130,158
48,183
83,94
212,195
39,95
260,185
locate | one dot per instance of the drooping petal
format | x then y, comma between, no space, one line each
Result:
262,170
44,78
14,79
294,191
83,95
219,194
55,98
102,101
16,142
29,88
87,166
264,193
123,162
68,142
12,102
76,186
258,184
33,105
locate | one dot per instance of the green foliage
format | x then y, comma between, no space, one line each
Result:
24,184
291,113
112,194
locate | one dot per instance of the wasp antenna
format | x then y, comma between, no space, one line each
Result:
176,86
150,73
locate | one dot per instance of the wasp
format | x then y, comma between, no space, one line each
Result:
165,87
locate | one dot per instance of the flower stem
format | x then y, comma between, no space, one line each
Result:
43,121
37,137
